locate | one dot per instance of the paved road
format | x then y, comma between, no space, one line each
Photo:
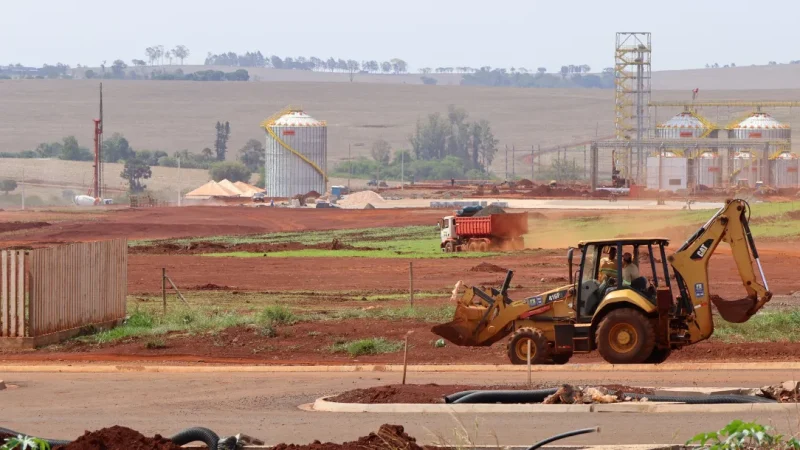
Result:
62,405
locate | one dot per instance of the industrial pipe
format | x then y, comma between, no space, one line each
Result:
537,396
533,396
562,436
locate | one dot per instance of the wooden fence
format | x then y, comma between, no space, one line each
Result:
49,294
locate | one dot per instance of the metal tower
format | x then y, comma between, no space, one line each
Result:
632,74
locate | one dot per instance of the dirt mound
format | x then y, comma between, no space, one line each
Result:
210,287
359,200
602,193
195,248
434,393
488,267
14,226
119,438
525,183
388,437
539,191
489,210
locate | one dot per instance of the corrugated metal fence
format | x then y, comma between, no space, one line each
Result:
57,289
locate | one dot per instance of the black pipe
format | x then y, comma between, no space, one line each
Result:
453,397
534,396
562,436
701,400
196,434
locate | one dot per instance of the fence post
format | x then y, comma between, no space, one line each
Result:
405,357
411,282
164,288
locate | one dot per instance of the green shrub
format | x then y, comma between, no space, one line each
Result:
371,346
278,315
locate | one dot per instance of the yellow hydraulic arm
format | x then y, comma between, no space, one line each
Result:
690,264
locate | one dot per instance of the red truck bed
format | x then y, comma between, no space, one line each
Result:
507,226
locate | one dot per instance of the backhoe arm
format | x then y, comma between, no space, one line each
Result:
690,264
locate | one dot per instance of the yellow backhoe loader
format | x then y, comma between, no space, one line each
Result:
638,320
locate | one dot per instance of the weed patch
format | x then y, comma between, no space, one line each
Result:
371,346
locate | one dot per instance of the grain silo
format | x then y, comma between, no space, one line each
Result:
744,169
707,165
684,125
296,154
760,125
785,170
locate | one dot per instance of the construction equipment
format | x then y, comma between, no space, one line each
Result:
483,233
641,320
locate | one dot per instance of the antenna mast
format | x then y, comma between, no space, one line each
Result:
98,164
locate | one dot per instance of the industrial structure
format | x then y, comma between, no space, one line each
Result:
632,75
296,153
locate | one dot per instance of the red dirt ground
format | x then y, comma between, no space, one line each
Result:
310,343
388,437
118,438
16,226
435,393
165,223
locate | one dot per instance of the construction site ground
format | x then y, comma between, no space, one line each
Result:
265,405
346,294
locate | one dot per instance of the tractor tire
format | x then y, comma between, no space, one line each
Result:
483,246
448,247
625,336
658,356
518,346
561,359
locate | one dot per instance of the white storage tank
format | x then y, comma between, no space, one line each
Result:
784,170
745,168
708,169
685,125
760,125
667,172
296,154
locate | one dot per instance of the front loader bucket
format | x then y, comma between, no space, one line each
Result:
466,320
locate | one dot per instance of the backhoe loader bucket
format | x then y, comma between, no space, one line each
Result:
735,311
462,329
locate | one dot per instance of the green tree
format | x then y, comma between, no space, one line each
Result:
399,66
483,144
89,74
134,171
229,170
7,185
386,67
71,151
118,68
221,143
429,140
116,148
252,155
352,68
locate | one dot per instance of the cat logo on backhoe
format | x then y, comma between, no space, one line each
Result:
701,251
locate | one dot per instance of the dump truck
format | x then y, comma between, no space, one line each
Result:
628,316
483,233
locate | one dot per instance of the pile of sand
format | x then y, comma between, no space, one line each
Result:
359,200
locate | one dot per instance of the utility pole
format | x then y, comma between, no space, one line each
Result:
179,181
506,162
532,170
513,162
402,169
349,166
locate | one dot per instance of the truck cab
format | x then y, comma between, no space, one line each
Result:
447,232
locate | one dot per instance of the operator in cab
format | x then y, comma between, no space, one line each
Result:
608,265
630,270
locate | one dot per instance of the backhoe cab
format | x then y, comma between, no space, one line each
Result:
629,315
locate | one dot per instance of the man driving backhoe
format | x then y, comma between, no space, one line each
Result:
608,265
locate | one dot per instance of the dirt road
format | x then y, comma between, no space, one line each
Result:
265,406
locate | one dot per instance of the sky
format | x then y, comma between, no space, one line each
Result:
425,33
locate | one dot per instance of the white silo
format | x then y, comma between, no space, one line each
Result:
760,125
708,169
744,168
687,125
785,170
296,154
666,172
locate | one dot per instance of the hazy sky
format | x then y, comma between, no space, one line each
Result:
499,33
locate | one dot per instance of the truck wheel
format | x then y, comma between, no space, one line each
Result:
472,246
518,346
448,248
625,336
483,246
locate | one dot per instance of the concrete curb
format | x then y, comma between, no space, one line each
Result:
323,405
572,368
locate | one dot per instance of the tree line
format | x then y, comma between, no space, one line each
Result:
566,78
442,146
313,63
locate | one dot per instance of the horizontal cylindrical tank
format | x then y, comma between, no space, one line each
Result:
668,172
785,170
761,125
296,155
708,169
683,125
84,200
